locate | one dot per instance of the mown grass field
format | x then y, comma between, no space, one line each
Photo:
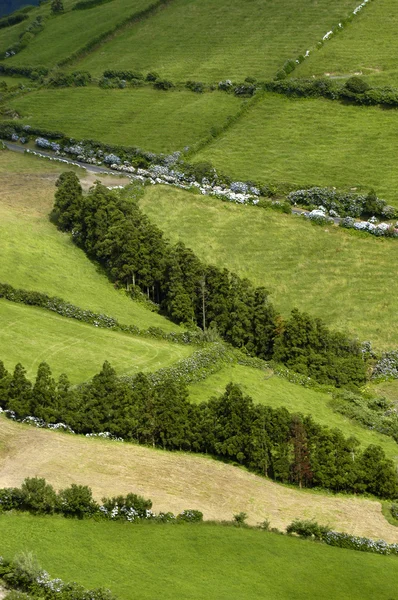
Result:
307,142
210,40
347,280
31,335
274,391
361,47
36,256
67,33
153,120
197,562
175,481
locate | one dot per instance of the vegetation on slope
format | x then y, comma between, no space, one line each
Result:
154,120
199,40
236,562
327,272
360,48
306,142
175,480
28,239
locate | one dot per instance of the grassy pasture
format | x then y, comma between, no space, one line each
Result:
13,81
35,256
347,280
175,481
197,562
275,391
361,47
69,32
32,335
154,120
308,142
210,40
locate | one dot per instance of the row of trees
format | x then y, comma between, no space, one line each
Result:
271,441
112,229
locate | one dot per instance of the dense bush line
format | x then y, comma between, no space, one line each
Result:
33,29
59,306
12,19
111,228
85,4
286,447
311,529
26,576
38,497
29,72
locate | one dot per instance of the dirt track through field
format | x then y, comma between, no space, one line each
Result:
175,481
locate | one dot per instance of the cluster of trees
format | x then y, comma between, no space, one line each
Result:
271,441
112,230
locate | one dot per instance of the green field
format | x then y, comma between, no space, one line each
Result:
197,562
361,48
347,280
36,256
31,335
153,120
69,32
209,40
307,142
13,81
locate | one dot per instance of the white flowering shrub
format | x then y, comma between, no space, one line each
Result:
387,366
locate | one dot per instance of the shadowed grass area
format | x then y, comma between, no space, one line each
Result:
154,120
347,280
197,561
31,335
368,47
210,40
36,256
274,391
307,142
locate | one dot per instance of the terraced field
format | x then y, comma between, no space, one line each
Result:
307,142
209,41
153,120
347,280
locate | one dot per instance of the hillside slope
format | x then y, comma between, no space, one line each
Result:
175,481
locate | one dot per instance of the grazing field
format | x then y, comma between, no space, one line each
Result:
274,391
36,256
197,562
306,142
153,120
175,481
347,280
210,40
360,48
389,389
32,335
67,33
13,81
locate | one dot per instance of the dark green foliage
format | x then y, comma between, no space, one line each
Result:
123,504
189,515
394,511
19,394
163,84
86,4
356,85
76,501
12,19
30,72
76,78
240,518
195,86
57,6
126,75
11,499
307,529
152,76
68,201
38,496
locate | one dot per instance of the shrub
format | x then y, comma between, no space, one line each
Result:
10,499
76,501
86,4
356,85
152,76
163,84
394,511
195,86
240,518
190,515
307,529
38,496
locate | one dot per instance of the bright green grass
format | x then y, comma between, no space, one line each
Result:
31,335
36,256
347,280
210,40
147,562
311,142
368,46
13,81
154,120
65,34
275,391
389,389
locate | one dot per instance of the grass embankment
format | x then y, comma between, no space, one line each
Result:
209,41
347,280
175,481
274,391
36,256
197,562
67,33
307,142
158,121
360,48
31,335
